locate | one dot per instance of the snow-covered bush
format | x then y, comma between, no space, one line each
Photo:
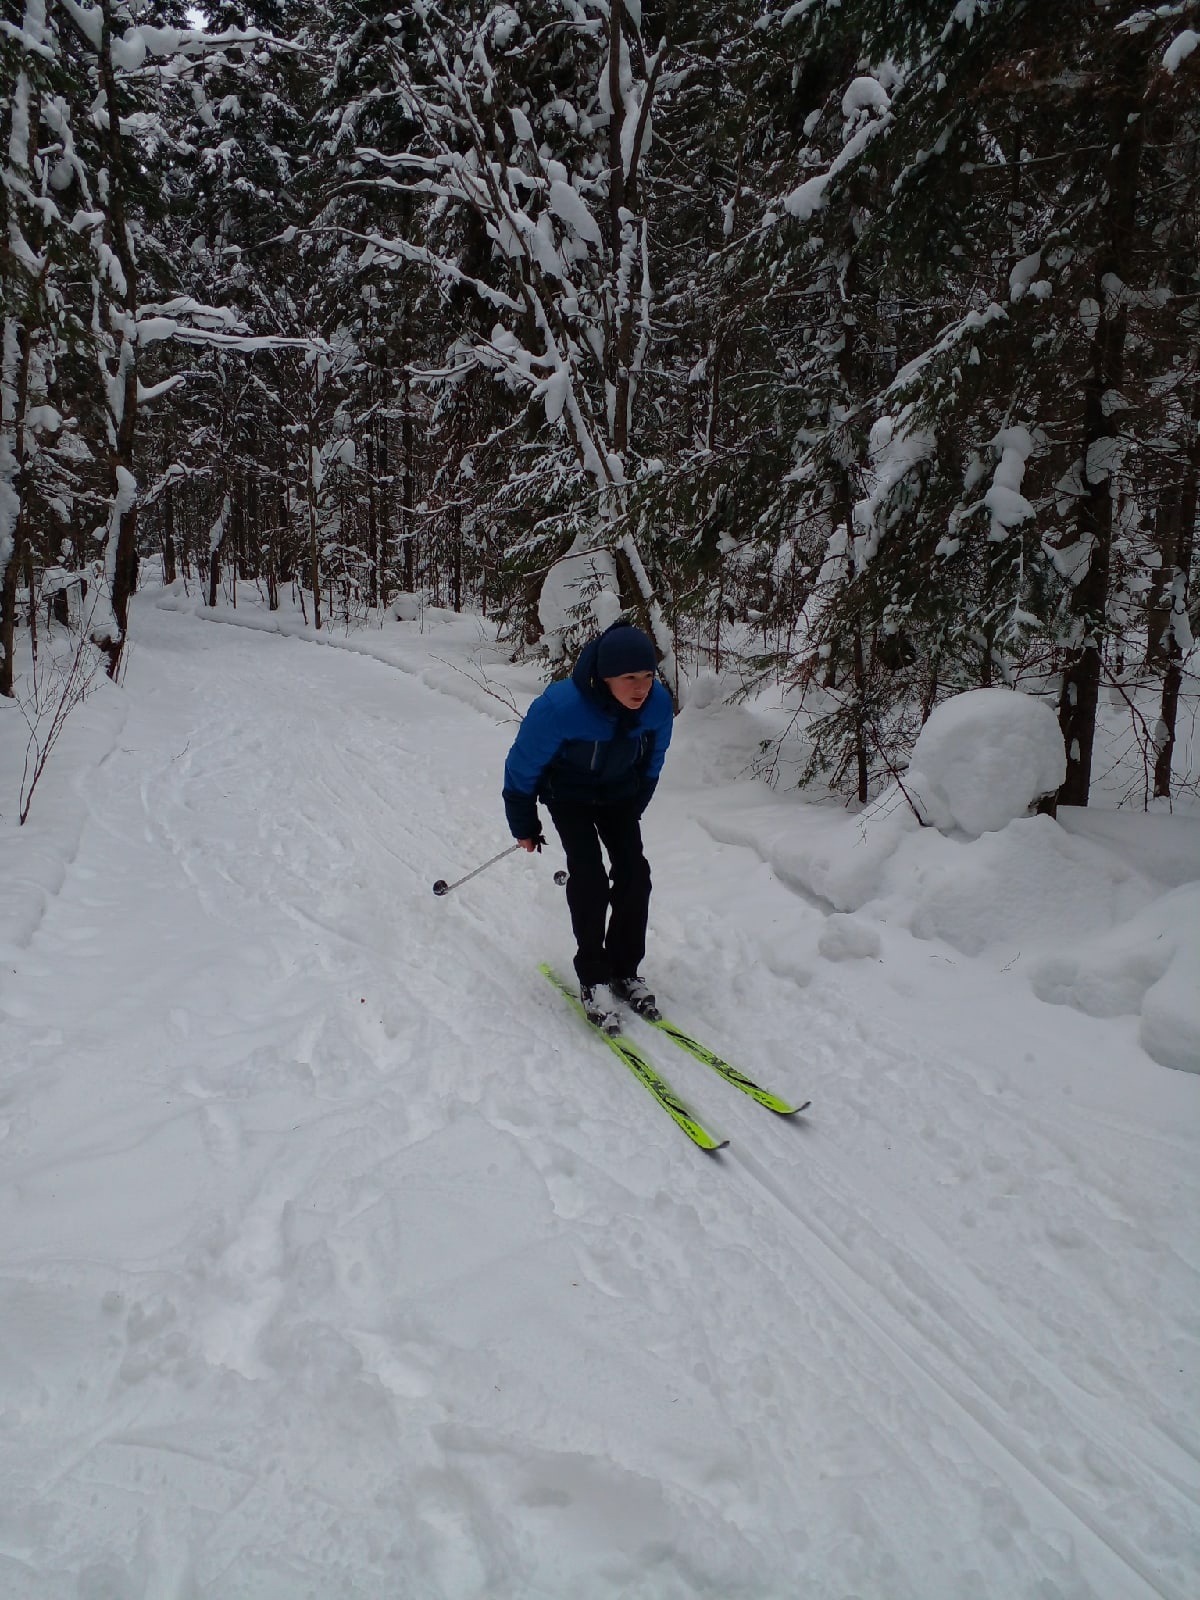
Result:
983,759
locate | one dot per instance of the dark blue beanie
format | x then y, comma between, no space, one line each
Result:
624,649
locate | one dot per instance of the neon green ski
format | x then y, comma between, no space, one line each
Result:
731,1074
641,1069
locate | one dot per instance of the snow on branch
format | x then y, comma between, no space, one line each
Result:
213,325
130,49
1179,49
897,447
954,335
809,197
441,266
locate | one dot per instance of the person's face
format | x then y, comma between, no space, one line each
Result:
631,689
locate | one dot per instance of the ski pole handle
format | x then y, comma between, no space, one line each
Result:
441,887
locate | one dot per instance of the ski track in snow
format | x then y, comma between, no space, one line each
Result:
339,1260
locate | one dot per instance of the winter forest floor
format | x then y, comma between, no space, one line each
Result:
339,1262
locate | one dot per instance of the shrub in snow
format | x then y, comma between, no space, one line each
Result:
405,608
983,759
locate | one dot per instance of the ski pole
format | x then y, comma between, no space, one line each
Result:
442,887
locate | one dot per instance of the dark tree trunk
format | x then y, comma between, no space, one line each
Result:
1080,695
860,718
8,609
409,484
314,535
17,556
373,587
121,553
1181,561
20,400
169,572
214,576
29,590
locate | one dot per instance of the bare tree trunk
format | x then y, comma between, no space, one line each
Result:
930,693
8,615
238,542
1080,695
121,548
270,556
456,516
860,718
408,479
314,541
373,586
216,539
849,373
616,165
15,353
1181,560
1167,513
383,496
214,575
8,598
29,590
169,571
622,205
373,345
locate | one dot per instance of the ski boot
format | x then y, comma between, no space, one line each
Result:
636,995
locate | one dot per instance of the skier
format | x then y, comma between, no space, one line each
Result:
591,748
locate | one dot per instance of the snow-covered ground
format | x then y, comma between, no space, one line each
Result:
337,1259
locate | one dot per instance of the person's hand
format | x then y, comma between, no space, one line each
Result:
530,844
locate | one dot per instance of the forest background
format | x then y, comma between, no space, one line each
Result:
861,338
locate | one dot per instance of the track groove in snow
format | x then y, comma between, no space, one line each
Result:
968,1395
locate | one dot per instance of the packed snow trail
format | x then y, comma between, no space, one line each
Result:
340,1259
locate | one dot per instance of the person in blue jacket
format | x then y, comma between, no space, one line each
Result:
591,748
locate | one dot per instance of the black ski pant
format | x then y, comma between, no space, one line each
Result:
608,908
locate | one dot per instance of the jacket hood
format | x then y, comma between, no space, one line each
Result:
588,681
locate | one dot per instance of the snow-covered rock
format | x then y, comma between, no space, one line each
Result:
983,759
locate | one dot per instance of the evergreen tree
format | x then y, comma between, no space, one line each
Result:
990,189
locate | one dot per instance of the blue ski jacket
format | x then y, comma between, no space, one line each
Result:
577,744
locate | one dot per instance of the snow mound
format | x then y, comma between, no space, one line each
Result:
846,938
841,867
1027,884
1164,847
983,759
1149,967
34,859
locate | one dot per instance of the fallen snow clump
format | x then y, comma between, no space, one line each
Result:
983,759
